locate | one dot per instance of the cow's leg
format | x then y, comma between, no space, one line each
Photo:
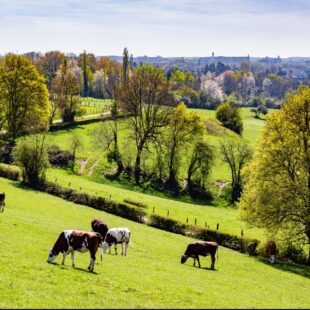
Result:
194,261
122,244
63,258
92,261
72,258
198,260
126,247
212,261
110,248
115,248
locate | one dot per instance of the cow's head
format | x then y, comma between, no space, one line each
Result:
51,256
183,259
105,246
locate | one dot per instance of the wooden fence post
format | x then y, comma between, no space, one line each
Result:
195,222
241,232
168,213
153,210
187,220
217,226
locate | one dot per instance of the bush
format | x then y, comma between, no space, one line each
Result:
9,173
135,203
58,157
30,154
240,244
230,117
100,203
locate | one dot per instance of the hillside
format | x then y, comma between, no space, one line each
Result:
150,276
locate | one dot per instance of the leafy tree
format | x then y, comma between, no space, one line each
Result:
125,64
76,144
145,97
183,129
236,155
85,72
199,168
277,190
65,92
31,155
24,105
261,109
230,117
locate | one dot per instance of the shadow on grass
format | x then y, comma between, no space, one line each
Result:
73,268
203,268
300,270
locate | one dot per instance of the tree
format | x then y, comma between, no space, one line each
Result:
236,155
199,168
125,64
65,92
260,109
277,190
184,128
212,89
24,105
75,145
50,64
145,97
85,73
31,155
230,117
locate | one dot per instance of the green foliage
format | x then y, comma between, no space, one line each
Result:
230,117
24,105
31,155
277,190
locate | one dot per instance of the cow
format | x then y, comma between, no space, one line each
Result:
70,241
116,235
202,248
2,201
271,251
100,227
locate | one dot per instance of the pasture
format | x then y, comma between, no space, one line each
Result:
151,276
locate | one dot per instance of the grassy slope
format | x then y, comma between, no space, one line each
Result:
150,276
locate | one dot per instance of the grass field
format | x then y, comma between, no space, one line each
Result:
151,276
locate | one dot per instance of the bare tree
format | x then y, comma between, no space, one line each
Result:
236,155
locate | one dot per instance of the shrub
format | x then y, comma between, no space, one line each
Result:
135,203
30,154
9,173
230,117
58,157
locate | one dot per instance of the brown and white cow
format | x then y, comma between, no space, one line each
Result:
202,248
116,235
70,241
100,227
2,201
271,251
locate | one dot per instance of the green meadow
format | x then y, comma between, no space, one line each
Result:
151,275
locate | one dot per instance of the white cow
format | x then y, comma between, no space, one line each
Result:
116,235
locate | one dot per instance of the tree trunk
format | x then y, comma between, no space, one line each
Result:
137,166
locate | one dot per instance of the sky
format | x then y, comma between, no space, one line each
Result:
157,27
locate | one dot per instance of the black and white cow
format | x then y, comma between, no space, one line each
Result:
70,241
116,235
2,201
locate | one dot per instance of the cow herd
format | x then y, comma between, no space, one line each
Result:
102,237
70,241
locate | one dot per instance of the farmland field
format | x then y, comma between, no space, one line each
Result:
150,276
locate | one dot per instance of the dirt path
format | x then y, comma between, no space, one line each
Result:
82,165
91,170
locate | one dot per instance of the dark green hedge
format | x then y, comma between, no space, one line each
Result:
240,244
9,173
100,203
135,203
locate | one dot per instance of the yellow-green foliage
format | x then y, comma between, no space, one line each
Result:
24,101
277,191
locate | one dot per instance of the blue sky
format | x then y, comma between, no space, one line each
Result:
157,27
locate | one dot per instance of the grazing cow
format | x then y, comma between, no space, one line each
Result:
116,235
271,251
202,248
100,227
2,203
70,241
